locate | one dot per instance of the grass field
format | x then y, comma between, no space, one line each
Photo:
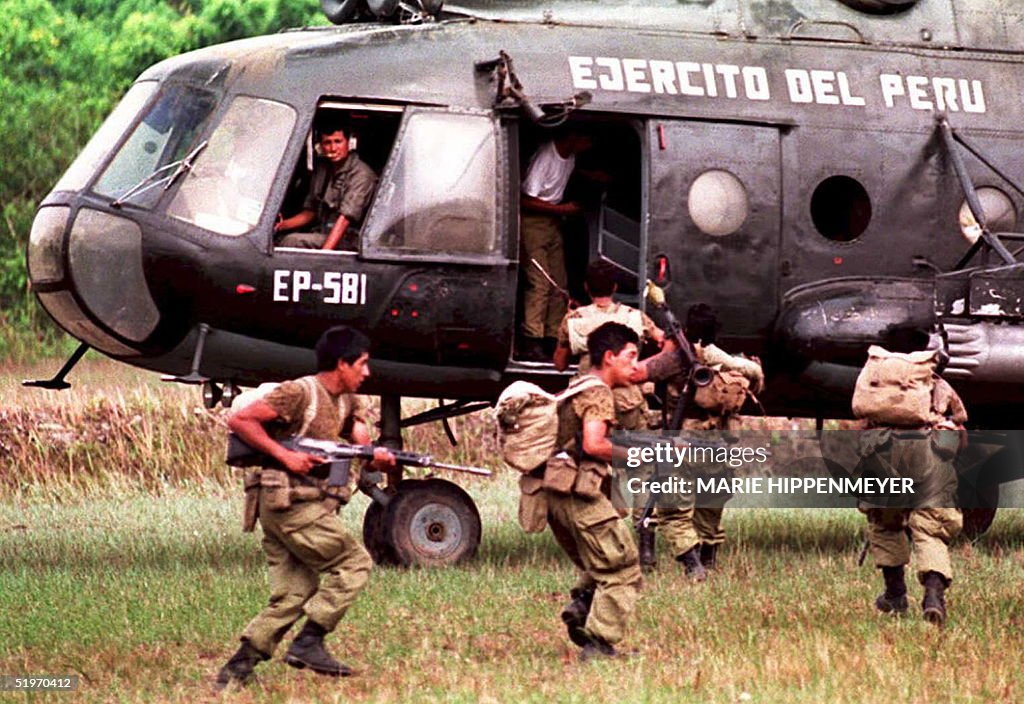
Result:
126,566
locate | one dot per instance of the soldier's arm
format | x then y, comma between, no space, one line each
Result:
337,232
249,424
361,436
595,440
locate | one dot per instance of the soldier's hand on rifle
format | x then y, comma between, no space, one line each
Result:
382,457
299,462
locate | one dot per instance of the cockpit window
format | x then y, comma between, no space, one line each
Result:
439,191
84,166
167,133
226,189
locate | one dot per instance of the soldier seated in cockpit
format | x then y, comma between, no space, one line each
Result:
339,195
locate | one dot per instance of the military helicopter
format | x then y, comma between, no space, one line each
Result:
824,173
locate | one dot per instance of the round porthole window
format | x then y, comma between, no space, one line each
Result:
1000,214
718,203
840,208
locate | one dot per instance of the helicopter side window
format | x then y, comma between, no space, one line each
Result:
227,187
85,164
167,133
439,192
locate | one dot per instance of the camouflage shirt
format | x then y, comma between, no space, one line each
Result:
334,417
347,191
596,403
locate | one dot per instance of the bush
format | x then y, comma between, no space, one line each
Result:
63,65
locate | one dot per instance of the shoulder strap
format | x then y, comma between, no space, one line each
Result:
588,382
310,384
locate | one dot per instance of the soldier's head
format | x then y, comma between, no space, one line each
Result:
333,135
701,324
613,351
601,279
570,141
345,351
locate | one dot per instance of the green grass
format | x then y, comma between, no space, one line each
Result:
144,598
121,560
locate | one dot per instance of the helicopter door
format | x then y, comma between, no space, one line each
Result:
440,219
714,213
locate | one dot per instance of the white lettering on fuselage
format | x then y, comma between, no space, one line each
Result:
811,86
334,287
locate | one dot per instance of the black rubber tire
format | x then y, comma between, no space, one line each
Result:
981,503
977,521
880,7
375,535
433,523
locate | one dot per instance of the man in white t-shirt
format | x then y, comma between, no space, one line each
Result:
543,207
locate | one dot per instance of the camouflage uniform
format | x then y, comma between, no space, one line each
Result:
630,405
315,566
926,457
590,530
687,526
345,191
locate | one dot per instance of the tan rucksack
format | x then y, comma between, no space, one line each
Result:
528,421
726,393
896,388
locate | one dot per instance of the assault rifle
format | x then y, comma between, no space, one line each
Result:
695,373
338,457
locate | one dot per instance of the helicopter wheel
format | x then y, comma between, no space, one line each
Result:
984,502
432,523
375,535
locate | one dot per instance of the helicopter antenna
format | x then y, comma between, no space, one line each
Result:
510,94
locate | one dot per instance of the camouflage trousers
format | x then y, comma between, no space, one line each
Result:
686,527
930,530
543,305
316,567
601,546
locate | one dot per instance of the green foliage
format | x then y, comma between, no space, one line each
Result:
63,65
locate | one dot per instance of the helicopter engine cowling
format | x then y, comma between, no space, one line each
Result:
836,321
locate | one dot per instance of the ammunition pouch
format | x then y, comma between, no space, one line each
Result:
533,504
276,489
560,474
590,479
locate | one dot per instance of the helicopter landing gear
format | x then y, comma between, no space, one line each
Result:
427,523
375,535
983,502
432,523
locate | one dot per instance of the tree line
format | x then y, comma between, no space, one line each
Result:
63,66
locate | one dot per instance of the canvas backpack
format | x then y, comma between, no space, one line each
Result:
528,421
896,388
726,393
309,385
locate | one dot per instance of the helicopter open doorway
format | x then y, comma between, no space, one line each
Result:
609,183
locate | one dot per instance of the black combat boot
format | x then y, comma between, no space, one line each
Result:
934,602
648,559
307,650
894,599
531,349
709,555
240,667
691,561
575,613
597,649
